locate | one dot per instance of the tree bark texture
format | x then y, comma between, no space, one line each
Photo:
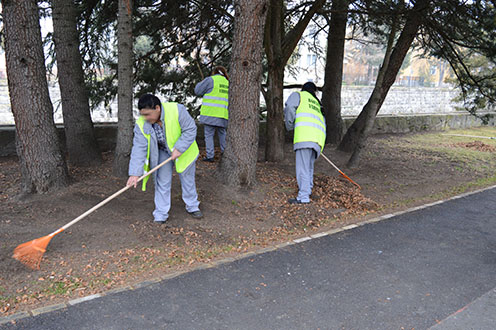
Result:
80,140
333,79
278,47
274,142
238,165
42,163
125,89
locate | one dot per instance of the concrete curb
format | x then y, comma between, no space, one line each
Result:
213,264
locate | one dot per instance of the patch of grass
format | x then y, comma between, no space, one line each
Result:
447,193
227,248
433,147
488,131
60,288
57,288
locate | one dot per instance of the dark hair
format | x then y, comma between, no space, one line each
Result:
310,88
148,101
221,70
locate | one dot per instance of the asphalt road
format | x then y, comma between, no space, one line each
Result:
431,268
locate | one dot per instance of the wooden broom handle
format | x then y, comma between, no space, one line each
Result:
329,161
341,172
108,199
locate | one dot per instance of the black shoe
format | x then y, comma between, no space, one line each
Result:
159,222
296,201
196,214
210,160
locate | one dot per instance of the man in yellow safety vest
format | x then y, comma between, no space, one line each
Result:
302,112
213,112
165,130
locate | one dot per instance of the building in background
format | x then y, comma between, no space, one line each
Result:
361,64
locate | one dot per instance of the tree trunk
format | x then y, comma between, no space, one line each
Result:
80,140
275,130
385,79
238,165
125,89
349,140
333,80
274,142
382,86
278,48
42,163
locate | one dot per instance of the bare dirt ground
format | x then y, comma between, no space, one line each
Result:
120,245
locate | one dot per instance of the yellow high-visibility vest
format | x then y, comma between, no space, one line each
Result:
309,122
172,134
215,103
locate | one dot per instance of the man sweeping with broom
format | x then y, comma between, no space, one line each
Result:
165,130
302,112
163,133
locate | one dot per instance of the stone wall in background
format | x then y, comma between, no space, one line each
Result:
106,133
419,123
400,100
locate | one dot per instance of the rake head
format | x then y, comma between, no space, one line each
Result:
31,253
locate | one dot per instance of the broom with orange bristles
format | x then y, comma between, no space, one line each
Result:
340,172
31,253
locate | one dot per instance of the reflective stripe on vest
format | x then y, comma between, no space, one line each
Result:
309,122
215,103
141,122
172,134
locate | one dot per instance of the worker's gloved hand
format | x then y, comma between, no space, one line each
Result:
132,181
175,154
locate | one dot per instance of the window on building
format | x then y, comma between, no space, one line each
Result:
311,59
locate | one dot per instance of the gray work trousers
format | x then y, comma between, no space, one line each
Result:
209,131
305,159
163,182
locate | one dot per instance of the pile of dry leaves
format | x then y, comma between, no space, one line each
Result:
476,145
330,196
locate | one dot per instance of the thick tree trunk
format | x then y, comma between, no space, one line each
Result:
333,80
80,140
393,60
273,38
274,146
278,48
350,139
238,165
125,89
42,163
